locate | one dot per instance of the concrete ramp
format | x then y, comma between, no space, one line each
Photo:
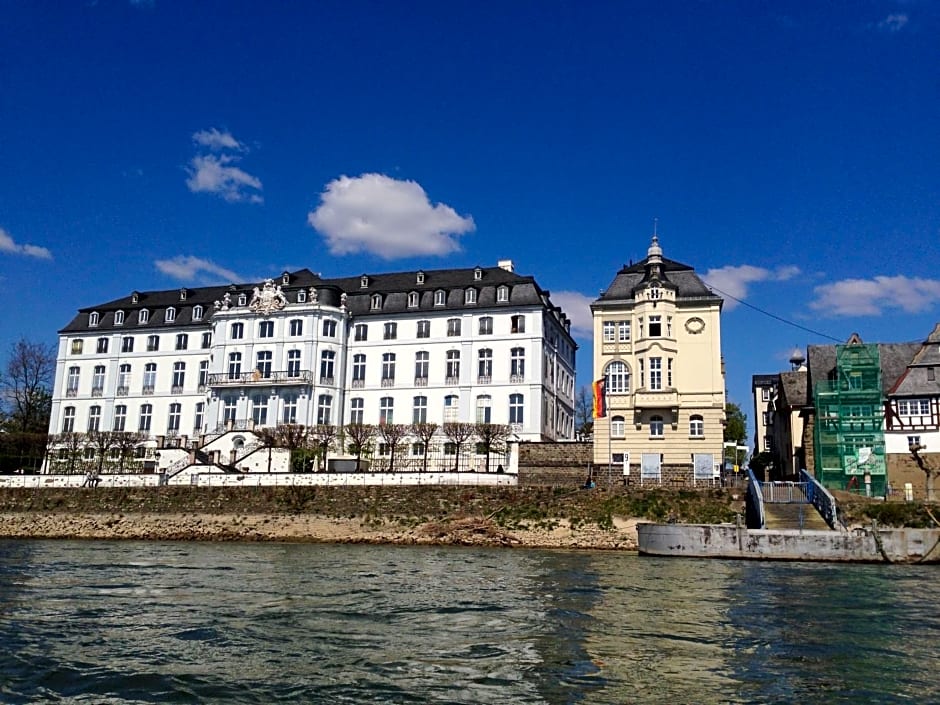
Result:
799,516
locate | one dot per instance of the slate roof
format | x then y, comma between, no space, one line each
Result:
914,381
894,358
674,275
792,389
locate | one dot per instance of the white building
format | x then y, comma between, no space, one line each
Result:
473,345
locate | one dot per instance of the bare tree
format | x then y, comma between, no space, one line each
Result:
493,437
29,375
293,436
929,470
458,433
125,442
584,412
394,435
360,437
102,442
323,436
425,433
72,443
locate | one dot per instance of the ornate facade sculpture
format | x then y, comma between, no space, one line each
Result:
267,299
313,295
225,304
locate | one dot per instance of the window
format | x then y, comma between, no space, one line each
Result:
93,319
242,299
765,394
391,331
440,297
451,407
68,419
424,329
198,312
420,278
237,331
376,302
77,346
71,384
124,380
515,409
127,344
143,317
668,326
642,373
229,407
913,407
361,331
655,292
263,364
470,296
617,427
293,363
153,343
913,441
364,281
200,416
120,418
639,325
623,331
150,377
259,409
610,331
359,371
182,341
656,326
486,325
356,408
234,365
97,381
618,378
656,373
102,345
146,415
417,449
289,414
413,299
206,340
477,274
179,377
329,328
324,407
301,297
656,427
453,327
696,426
203,375
173,419
327,363
119,318
453,367
518,324
388,369
485,366
450,448
297,327
420,412
170,315
502,294
517,364
386,410
421,366
94,419
669,372
266,329
484,408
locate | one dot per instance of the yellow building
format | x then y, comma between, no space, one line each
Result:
657,345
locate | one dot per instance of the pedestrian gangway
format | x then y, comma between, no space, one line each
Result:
803,505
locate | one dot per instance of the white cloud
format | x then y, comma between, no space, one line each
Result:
209,173
577,306
386,217
7,244
893,23
735,280
871,297
188,268
217,140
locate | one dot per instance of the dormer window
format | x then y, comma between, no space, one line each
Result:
477,274
183,294
119,318
93,319
470,296
143,316
364,281
285,279
413,299
170,315
440,297
655,292
502,294
135,297
420,278
376,302
242,299
197,313
301,297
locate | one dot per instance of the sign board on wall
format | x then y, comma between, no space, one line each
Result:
703,466
651,466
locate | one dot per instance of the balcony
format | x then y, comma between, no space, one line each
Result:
388,382
484,379
451,381
328,381
516,379
280,377
421,381
358,383
97,391
71,392
123,391
147,390
665,399
176,389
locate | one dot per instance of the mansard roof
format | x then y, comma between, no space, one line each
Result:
674,275
394,289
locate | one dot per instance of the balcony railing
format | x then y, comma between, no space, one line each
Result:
388,381
176,389
71,392
358,383
484,379
147,390
516,379
450,381
224,379
123,391
421,381
328,381
97,391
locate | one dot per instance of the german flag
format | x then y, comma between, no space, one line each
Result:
600,398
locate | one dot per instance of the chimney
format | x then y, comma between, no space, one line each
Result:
506,264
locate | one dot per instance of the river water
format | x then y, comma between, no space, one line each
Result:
135,622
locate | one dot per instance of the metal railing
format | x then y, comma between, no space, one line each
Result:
820,498
784,492
755,502
224,379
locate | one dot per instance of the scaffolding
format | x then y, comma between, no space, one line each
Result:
849,434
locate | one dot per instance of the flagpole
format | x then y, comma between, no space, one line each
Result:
609,429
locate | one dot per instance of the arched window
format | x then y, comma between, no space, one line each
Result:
119,318
470,296
440,297
93,318
618,377
413,299
376,301
143,316
696,426
617,427
197,313
170,315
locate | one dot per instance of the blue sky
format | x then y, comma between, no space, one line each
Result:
789,151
